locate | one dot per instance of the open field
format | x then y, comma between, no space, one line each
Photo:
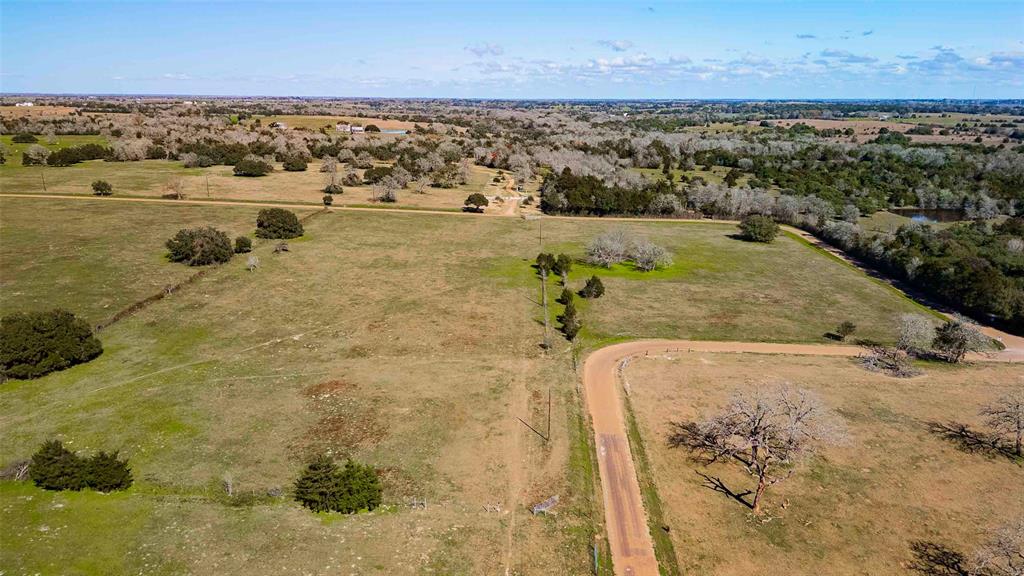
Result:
414,356
869,129
150,178
34,111
720,288
857,507
318,122
96,260
408,357
15,150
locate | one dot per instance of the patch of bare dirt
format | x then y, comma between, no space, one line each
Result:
346,421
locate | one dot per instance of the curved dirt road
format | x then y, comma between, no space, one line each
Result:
625,517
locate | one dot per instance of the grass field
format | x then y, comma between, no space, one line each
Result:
720,288
856,508
408,341
329,122
151,178
15,150
400,354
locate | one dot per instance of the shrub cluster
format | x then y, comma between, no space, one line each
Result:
75,154
37,343
476,202
295,164
375,174
593,289
278,223
24,138
758,228
200,246
54,467
243,245
102,188
323,487
253,166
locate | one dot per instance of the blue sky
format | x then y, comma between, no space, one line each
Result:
910,49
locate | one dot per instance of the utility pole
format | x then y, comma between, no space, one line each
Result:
544,301
549,412
41,175
207,185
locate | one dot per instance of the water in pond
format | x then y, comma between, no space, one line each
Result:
930,215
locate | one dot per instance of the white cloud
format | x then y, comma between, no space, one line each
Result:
616,45
485,49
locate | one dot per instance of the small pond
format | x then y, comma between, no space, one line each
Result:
930,215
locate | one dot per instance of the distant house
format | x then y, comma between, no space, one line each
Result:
278,125
350,128
20,104
356,129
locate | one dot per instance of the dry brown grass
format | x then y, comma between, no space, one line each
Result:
857,508
152,178
36,111
869,129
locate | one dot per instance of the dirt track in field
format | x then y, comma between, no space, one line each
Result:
625,518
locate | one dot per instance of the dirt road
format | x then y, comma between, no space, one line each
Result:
625,518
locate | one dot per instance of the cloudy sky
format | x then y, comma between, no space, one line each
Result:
489,49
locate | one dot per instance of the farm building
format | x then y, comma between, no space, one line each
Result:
22,104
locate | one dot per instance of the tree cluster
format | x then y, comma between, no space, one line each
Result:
253,165
54,467
323,487
199,246
617,246
278,223
758,228
33,344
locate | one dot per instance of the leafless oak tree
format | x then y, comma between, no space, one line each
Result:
1006,416
1002,554
767,432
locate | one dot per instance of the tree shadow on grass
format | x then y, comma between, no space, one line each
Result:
687,435
971,441
934,559
715,483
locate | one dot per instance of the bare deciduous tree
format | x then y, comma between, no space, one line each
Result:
647,255
1002,554
766,432
956,338
176,189
609,248
253,263
1006,416
916,332
386,190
